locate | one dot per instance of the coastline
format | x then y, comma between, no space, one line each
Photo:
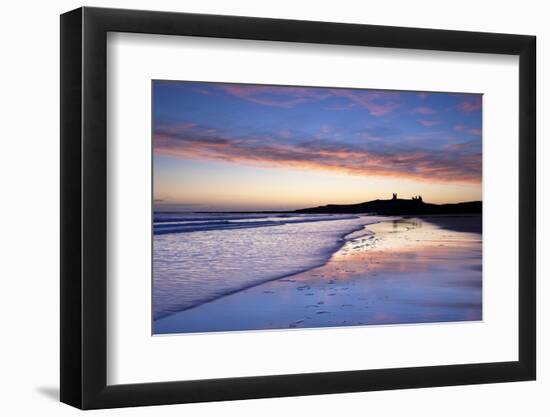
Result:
242,258
339,244
411,270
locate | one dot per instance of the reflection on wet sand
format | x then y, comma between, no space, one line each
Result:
401,271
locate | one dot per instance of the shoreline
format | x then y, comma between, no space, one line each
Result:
324,257
348,276
289,275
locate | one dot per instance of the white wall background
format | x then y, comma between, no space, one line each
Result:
29,238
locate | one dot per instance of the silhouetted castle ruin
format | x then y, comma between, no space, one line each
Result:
414,198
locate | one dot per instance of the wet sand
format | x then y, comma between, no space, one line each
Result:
416,270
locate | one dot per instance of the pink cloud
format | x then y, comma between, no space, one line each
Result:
429,123
378,103
203,91
424,110
285,133
470,105
284,97
341,107
465,146
468,130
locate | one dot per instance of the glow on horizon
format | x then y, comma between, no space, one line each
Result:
223,147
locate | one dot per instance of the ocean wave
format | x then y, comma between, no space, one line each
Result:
190,269
163,217
188,225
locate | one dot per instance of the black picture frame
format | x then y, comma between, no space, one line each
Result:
84,207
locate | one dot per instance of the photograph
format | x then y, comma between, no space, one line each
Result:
265,205
284,207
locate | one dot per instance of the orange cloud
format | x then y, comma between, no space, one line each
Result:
462,165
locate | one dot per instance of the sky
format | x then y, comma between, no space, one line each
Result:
223,147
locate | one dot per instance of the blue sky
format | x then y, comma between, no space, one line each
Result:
220,146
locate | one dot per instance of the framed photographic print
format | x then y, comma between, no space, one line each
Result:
258,207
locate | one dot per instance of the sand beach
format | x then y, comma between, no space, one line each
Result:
424,269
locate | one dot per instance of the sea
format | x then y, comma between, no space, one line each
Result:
199,257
